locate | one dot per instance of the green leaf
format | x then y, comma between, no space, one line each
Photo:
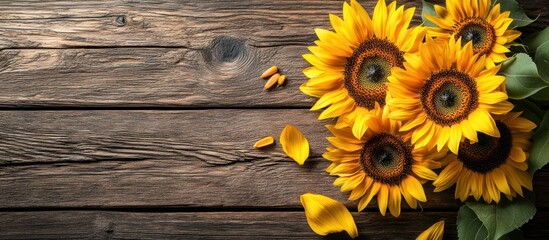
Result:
540,147
542,61
522,77
428,8
514,235
469,226
541,95
529,110
520,19
537,39
539,43
500,219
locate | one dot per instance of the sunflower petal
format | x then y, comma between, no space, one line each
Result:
484,122
383,198
326,215
380,19
266,141
500,181
394,200
433,233
412,202
413,186
370,193
448,176
424,172
294,144
360,126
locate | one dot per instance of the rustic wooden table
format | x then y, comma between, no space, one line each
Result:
135,119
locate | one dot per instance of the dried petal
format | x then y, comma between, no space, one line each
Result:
326,215
271,82
272,70
266,141
294,144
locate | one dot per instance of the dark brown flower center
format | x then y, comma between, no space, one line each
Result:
449,96
367,70
477,30
386,158
489,152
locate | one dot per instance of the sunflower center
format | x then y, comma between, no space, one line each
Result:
477,30
449,96
472,35
386,158
367,69
375,73
488,153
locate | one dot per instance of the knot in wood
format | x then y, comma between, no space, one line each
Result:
121,20
229,55
227,49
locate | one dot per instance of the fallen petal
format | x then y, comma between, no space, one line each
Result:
266,141
294,144
326,215
433,233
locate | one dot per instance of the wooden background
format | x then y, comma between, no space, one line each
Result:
136,119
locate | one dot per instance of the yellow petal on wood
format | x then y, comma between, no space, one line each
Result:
266,141
269,72
433,233
294,144
326,215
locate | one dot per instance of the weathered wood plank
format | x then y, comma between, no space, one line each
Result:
192,24
225,74
188,184
221,225
217,50
212,137
194,158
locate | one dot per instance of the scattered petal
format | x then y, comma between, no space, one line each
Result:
266,141
294,144
326,215
433,233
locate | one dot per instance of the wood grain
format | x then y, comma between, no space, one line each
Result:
185,174
224,75
221,225
191,54
191,159
189,24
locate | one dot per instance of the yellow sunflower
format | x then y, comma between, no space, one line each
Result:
445,93
383,162
473,20
492,165
350,65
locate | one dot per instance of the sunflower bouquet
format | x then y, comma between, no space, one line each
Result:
447,103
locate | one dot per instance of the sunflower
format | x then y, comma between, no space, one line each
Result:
473,20
444,93
492,165
382,162
350,65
